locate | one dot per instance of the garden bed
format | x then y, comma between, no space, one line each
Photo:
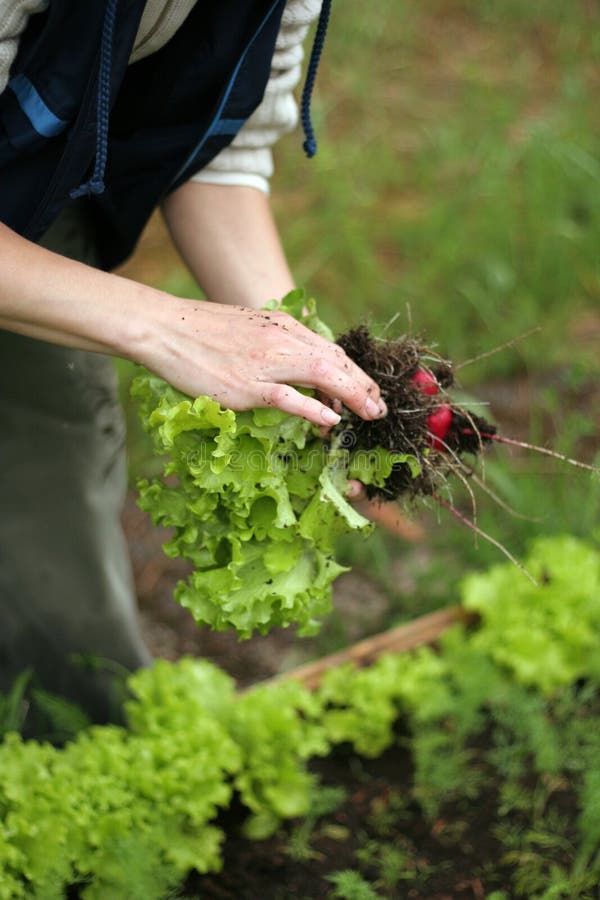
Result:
508,829
469,769
379,833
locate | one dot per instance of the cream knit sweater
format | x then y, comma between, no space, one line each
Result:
248,160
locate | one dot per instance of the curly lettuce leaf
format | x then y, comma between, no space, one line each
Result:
375,466
256,500
547,634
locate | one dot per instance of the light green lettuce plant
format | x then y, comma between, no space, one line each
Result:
257,500
547,634
126,813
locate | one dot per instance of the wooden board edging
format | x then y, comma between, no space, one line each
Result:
424,630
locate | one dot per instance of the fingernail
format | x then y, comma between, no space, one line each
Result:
329,417
383,410
372,408
353,490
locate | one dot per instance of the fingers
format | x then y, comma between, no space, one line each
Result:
328,368
339,378
338,388
356,491
291,401
336,406
342,380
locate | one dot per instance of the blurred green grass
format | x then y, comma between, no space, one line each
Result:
457,188
458,174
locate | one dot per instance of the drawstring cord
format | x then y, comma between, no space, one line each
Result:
310,142
96,183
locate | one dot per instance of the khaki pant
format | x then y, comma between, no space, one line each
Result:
65,581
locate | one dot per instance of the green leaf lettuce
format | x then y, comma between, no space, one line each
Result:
256,500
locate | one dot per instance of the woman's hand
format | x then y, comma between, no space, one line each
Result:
245,358
240,356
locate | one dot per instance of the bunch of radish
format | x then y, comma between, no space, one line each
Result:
423,420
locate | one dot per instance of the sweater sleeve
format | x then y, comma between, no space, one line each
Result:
248,159
14,15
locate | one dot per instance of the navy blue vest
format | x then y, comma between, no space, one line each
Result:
170,113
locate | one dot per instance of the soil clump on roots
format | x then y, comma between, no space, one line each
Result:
422,420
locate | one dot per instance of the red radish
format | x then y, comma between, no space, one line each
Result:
426,381
438,425
439,422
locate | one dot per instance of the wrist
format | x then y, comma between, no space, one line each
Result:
145,321
228,238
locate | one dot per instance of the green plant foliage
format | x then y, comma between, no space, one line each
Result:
257,505
447,697
273,781
359,707
13,706
128,812
324,800
350,885
65,719
269,773
113,810
546,634
589,821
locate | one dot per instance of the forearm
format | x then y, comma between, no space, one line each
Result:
47,296
228,238
238,356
